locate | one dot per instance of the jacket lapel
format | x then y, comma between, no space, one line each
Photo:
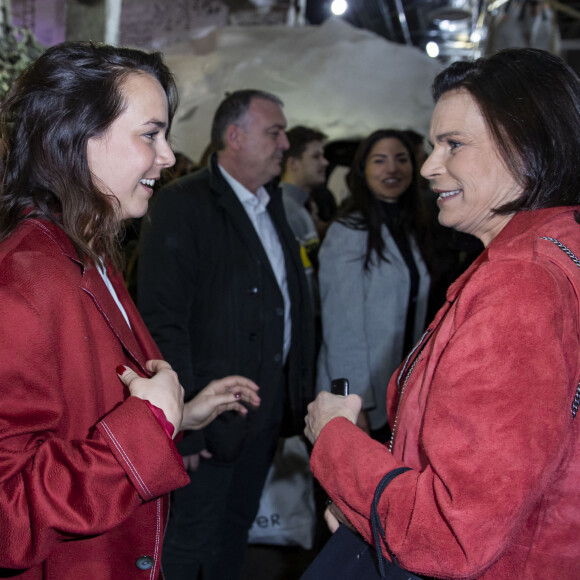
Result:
92,283
232,205
135,340
140,332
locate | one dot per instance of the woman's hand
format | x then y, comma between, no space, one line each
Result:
327,407
162,390
331,520
220,395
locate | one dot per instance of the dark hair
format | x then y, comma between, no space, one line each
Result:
71,93
362,210
231,111
530,101
299,138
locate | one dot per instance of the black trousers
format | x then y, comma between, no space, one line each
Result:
207,533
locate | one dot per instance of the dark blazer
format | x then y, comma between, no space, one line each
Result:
211,301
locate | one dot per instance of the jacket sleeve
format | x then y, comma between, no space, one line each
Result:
53,489
495,429
345,351
166,288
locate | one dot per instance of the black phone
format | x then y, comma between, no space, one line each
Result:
339,387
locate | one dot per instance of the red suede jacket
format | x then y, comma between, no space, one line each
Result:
84,468
483,413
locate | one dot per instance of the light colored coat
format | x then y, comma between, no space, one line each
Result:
364,315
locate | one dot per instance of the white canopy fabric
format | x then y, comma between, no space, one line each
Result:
343,80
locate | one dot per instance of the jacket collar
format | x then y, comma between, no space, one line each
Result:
220,186
232,205
135,339
522,224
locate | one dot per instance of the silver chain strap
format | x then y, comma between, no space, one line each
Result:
574,258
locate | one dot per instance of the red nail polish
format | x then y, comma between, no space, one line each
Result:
121,369
237,395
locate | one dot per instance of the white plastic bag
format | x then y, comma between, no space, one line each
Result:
287,514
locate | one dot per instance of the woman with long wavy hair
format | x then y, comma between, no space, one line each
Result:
374,282
88,408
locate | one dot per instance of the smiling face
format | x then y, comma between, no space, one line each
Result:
465,170
128,158
388,169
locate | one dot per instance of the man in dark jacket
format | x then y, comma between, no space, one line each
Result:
222,290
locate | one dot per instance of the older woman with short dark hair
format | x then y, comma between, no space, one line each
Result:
483,410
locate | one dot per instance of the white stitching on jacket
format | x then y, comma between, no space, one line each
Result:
127,460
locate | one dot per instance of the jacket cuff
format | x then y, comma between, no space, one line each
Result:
141,446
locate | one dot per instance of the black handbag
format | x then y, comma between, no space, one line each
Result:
347,556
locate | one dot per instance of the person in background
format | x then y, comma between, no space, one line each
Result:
374,283
88,408
223,291
304,168
484,410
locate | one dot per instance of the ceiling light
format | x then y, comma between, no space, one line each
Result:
432,49
338,7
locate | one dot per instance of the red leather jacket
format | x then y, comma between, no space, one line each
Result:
484,417
84,468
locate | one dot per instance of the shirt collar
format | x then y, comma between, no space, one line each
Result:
258,202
